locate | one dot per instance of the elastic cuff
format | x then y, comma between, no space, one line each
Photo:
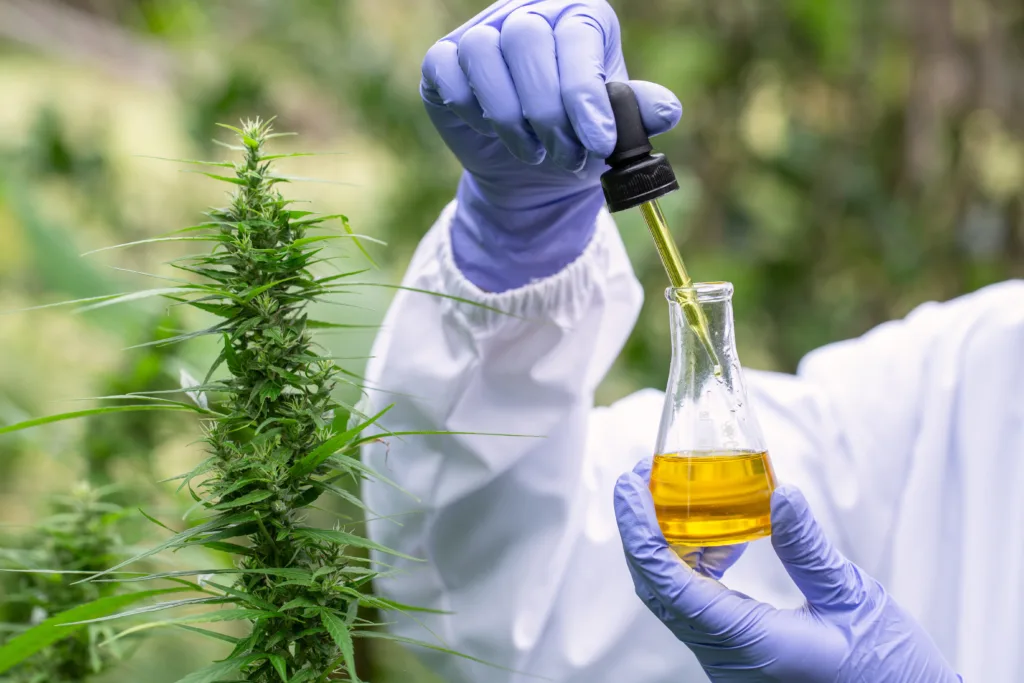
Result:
501,249
561,298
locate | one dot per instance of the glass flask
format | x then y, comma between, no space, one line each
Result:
711,479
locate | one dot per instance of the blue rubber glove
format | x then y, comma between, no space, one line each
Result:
849,630
710,561
518,94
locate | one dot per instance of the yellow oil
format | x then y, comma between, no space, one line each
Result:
679,278
706,498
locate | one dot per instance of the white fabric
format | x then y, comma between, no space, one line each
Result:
908,442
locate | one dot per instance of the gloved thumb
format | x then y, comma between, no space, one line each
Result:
659,107
823,575
671,589
593,121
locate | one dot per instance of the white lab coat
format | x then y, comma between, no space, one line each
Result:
908,442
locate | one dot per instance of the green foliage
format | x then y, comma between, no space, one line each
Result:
840,162
131,437
272,447
43,593
273,444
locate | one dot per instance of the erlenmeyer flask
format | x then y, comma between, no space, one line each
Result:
712,478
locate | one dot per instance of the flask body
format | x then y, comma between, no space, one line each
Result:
712,477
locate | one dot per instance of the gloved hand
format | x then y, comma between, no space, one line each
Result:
849,630
518,94
710,561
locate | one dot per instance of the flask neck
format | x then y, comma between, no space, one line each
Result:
706,411
703,336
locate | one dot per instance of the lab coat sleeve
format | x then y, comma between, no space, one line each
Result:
517,532
908,442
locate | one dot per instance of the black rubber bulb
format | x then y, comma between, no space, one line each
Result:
636,175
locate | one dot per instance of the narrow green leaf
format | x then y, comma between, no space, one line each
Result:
182,572
225,164
384,603
181,337
27,424
57,572
279,666
252,294
234,148
206,618
316,457
229,548
419,643
217,671
428,432
55,628
298,602
158,607
331,278
355,238
345,538
254,497
209,634
320,325
230,356
315,218
205,238
439,295
321,238
346,463
219,522
243,597
134,296
342,637
272,157
69,302
154,520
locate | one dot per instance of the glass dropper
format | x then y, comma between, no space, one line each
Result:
638,178
678,277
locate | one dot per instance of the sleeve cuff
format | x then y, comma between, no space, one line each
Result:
561,298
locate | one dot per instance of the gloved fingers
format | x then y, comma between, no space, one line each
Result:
701,604
823,575
484,66
711,561
494,15
528,45
659,108
444,87
589,54
643,469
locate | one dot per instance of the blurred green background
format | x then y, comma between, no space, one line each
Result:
840,163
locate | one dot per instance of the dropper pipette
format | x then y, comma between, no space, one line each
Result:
638,178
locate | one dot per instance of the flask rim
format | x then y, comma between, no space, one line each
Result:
706,292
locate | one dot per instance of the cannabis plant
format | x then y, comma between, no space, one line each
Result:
81,537
273,449
39,569
276,440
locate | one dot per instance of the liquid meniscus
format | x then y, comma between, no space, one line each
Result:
707,498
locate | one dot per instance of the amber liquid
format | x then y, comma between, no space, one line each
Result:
705,498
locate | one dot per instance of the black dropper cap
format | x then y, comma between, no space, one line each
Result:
636,175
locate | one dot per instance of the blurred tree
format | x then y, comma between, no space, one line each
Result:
843,161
